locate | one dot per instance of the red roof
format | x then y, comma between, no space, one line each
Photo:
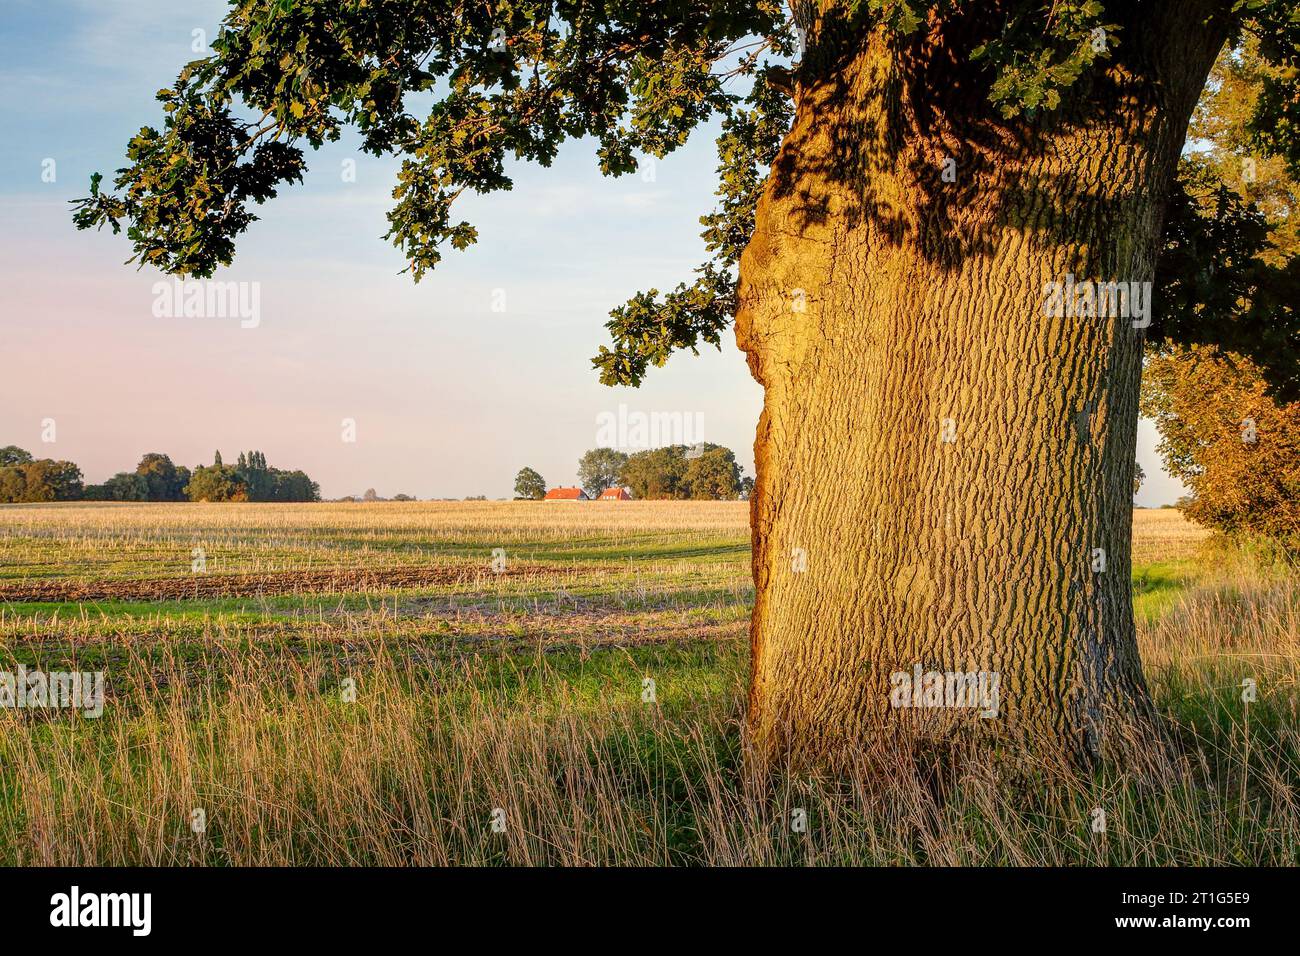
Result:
565,494
614,494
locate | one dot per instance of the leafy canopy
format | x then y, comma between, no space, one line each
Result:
23,478
704,472
600,468
457,88
530,484
1236,449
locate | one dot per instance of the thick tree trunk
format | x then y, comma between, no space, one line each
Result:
944,471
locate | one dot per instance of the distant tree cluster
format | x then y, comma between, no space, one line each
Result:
250,479
675,471
24,478
156,478
1224,436
700,472
370,495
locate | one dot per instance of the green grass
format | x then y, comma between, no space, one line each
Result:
525,693
1158,584
590,772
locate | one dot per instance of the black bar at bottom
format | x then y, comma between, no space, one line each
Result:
213,906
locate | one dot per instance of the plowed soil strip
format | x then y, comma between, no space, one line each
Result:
273,582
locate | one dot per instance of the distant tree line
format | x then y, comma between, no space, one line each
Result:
701,472
156,478
250,479
372,495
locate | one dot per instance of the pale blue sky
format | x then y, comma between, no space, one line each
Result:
449,397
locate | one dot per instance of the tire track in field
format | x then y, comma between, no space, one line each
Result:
338,580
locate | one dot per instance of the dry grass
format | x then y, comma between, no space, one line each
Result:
530,702
92,540
1163,534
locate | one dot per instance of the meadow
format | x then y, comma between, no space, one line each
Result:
469,683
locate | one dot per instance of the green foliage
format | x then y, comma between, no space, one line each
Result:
186,194
216,482
599,469
258,480
1227,275
713,474
710,472
124,486
530,485
293,486
50,480
156,478
41,479
657,473
13,455
647,330
251,479
509,79
1037,57
163,480
1273,124
13,484
1215,284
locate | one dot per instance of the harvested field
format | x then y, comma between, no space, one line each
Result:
198,586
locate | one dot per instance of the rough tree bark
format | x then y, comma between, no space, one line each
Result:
878,300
